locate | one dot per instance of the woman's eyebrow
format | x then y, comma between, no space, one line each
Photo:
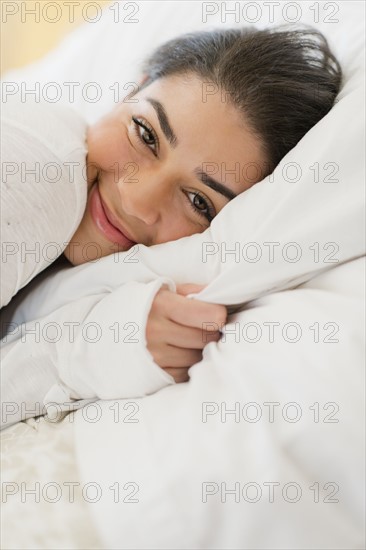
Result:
173,140
214,184
164,121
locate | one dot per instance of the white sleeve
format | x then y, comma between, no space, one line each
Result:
102,355
43,188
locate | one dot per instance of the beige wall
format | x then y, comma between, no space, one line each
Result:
24,40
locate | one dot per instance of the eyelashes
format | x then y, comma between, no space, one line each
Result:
209,211
142,123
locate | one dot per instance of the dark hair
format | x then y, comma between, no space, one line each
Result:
283,80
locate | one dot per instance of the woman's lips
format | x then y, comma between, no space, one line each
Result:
100,219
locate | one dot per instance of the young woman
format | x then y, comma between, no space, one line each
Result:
228,102
234,100
214,114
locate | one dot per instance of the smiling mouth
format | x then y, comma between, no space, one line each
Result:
105,221
115,223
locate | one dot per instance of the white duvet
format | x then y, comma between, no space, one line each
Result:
263,448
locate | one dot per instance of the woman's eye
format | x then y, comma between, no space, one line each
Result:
200,205
146,134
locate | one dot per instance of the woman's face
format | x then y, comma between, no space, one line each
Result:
146,164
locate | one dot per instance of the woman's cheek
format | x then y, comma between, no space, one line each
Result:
109,149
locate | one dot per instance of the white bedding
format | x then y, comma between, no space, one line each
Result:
170,455
39,455
183,445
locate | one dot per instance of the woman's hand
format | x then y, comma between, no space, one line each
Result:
176,330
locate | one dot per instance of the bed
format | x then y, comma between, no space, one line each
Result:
264,446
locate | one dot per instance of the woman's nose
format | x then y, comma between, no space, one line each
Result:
145,198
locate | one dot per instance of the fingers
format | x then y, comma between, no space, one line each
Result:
171,356
194,338
179,375
189,288
191,313
178,329
164,330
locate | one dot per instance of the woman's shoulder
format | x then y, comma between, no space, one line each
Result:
58,126
43,187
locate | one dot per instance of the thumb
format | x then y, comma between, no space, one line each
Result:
189,288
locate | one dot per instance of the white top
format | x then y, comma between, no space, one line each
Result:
43,187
